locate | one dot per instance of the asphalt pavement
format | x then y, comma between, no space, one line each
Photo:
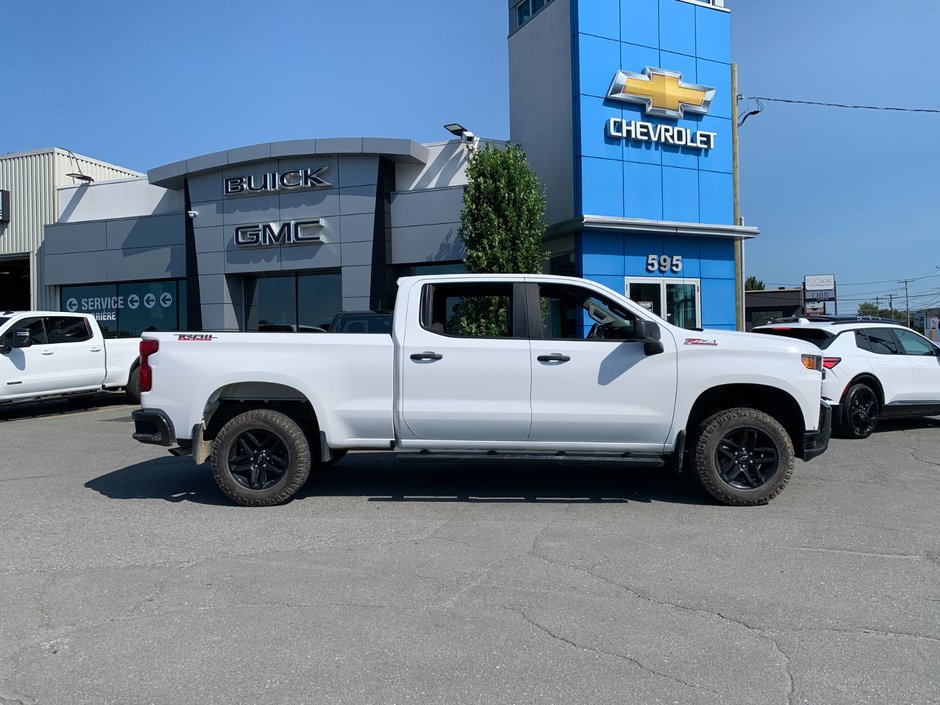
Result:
126,577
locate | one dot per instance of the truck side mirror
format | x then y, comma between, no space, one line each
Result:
19,339
651,335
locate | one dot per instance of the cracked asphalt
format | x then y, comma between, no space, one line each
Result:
126,578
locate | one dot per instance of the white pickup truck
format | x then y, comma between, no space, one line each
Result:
53,354
506,365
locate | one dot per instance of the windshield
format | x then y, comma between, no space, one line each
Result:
3,320
822,339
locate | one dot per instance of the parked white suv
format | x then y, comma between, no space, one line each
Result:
875,368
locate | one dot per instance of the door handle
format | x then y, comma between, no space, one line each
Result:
47,352
95,349
426,356
554,357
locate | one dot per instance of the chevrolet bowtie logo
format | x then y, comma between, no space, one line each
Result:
661,92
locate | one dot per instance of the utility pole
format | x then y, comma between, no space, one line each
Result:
891,301
877,303
907,301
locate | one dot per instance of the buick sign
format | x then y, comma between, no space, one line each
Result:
274,181
294,232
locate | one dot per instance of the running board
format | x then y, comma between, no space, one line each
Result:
426,456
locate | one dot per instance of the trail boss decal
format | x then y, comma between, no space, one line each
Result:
195,337
710,342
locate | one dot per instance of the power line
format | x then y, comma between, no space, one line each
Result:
839,105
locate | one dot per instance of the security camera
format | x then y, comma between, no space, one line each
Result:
468,136
192,214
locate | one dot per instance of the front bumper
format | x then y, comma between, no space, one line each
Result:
816,442
153,426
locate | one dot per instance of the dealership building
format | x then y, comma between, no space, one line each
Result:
624,107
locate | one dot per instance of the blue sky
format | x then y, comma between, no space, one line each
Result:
853,193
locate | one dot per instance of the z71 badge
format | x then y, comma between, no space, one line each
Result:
195,337
702,341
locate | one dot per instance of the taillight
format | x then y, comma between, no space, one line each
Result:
830,362
147,348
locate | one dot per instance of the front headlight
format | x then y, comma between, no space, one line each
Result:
812,362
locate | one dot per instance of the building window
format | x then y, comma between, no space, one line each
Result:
676,300
526,10
294,302
126,310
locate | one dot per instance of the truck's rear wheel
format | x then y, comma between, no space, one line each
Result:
261,458
133,386
743,456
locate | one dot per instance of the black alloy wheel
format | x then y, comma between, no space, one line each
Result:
742,456
747,458
861,410
261,458
258,459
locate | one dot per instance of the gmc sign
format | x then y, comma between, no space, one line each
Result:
294,232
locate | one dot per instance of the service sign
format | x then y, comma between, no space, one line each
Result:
105,308
4,206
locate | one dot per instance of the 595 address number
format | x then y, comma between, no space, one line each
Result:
664,263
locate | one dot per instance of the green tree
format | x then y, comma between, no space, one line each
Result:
752,283
870,309
502,221
501,226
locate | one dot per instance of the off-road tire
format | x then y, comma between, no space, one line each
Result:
714,436
855,422
293,443
133,386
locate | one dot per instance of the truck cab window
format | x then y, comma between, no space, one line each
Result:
469,310
573,313
37,331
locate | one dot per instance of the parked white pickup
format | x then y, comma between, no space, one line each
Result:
493,364
52,353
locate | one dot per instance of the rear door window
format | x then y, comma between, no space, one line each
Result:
882,341
68,329
472,310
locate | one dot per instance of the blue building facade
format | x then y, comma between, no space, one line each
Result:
639,164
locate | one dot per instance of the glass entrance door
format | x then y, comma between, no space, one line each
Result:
676,300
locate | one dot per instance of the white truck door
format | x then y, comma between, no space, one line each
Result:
29,370
465,372
592,382
922,354
78,352
890,365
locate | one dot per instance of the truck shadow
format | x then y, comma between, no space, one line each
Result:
910,423
379,477
58,407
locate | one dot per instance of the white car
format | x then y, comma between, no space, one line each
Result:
875,369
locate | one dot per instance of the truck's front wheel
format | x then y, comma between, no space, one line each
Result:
743,456
261,458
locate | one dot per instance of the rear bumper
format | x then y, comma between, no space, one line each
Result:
153,426
815,443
